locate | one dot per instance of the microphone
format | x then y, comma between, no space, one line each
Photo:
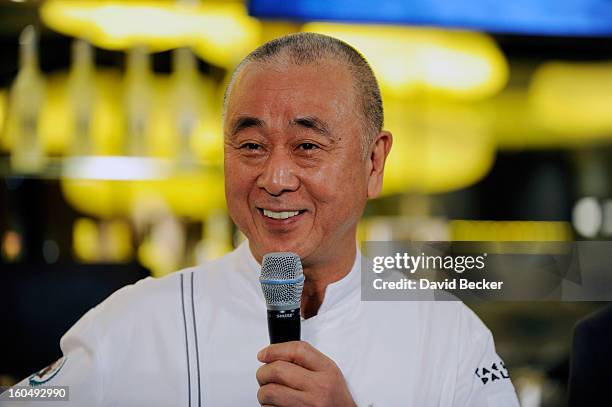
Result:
282,282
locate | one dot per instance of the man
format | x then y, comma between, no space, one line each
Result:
590,362
304,151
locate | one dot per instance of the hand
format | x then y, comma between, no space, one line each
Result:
296,374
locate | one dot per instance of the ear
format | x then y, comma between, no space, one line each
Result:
379,150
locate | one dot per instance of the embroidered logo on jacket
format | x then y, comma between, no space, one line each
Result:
48,373
497,371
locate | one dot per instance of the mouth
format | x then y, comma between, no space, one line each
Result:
281,215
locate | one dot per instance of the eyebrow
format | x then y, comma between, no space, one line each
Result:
246,122
313,123
309,122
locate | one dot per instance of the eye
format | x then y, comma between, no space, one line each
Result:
308,146
250,146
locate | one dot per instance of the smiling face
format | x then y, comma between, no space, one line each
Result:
295,176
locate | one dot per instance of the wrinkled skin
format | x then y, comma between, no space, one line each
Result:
292,142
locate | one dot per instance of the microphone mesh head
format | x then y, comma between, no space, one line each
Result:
282,280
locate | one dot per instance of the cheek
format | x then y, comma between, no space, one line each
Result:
237,174
342,187
237,192
236,196
237,186
321,184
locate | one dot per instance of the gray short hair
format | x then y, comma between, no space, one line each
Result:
307,48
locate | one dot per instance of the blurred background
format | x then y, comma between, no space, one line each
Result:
111,146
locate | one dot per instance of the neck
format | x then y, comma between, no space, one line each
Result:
323,273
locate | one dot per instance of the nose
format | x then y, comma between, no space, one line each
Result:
278,175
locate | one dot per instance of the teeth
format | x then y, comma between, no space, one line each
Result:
279,215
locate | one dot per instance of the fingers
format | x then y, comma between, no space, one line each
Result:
274,394
298,352
285,373
296,374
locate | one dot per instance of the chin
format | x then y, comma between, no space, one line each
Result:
281,247
284,246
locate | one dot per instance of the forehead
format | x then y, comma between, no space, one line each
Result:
324,89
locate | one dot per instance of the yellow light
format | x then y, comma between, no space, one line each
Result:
85,240
208,141
222,33
513,121
437,147
118,241
164,138
510,231
573,100
189,195
11,245
408,60
108,118
106,241
56,116
3,106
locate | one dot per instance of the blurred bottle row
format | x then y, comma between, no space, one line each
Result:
78,115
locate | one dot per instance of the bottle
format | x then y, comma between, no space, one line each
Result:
82,96
27,96
138,94
186,103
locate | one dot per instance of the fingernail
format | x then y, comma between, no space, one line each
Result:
261,354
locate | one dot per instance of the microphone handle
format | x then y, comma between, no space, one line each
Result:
284,326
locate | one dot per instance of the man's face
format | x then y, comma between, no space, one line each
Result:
295,178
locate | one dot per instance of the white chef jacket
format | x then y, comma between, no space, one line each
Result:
191,339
